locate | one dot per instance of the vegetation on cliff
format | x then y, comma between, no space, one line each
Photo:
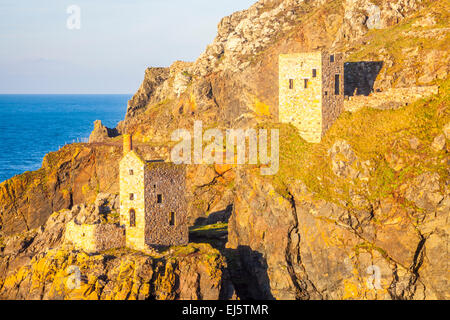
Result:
373,194
383,137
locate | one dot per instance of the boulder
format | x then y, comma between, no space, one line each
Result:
439,143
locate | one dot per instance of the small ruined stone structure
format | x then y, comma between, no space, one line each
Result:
90,230
153,206
95,237
311,92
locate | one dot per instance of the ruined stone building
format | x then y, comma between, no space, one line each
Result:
153,206
94,237
311,92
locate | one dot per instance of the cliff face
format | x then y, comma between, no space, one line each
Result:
358,216
41,264
235,81
302,247
364,214
192,274
75,174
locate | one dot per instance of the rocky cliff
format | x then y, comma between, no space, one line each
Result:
73,175
192,274
362,215
387,44
356,204
41,264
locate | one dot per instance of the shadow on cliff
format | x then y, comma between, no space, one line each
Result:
359,77
248,270
216,230
215,217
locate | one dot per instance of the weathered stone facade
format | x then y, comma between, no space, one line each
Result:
153,207
166,220
81,236
94,237
133,184
311,92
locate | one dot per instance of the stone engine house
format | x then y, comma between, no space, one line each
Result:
311,92
153,208
153,205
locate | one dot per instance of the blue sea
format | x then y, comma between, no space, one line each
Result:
33,125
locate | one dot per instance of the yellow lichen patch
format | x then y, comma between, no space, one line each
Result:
192,103
280,200
120,274
59,285
350,290
260,108
124,280
11,280
85,189
65,193
165,284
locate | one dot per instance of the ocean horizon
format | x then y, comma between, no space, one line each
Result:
33,125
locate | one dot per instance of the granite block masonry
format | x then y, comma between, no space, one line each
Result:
95,237
311,92
153,207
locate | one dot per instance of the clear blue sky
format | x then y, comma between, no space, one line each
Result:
118,39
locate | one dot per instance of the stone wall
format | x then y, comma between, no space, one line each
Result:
82,236
108,236
168,181
312,107
299,105
332,104
132,184
393,98
94,237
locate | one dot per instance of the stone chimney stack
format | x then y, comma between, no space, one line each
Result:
127,143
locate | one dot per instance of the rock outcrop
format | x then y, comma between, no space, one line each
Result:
102,133
40,265
73,175
191,273
148,93
298,247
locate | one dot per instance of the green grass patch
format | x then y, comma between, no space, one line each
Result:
371,133
209,229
